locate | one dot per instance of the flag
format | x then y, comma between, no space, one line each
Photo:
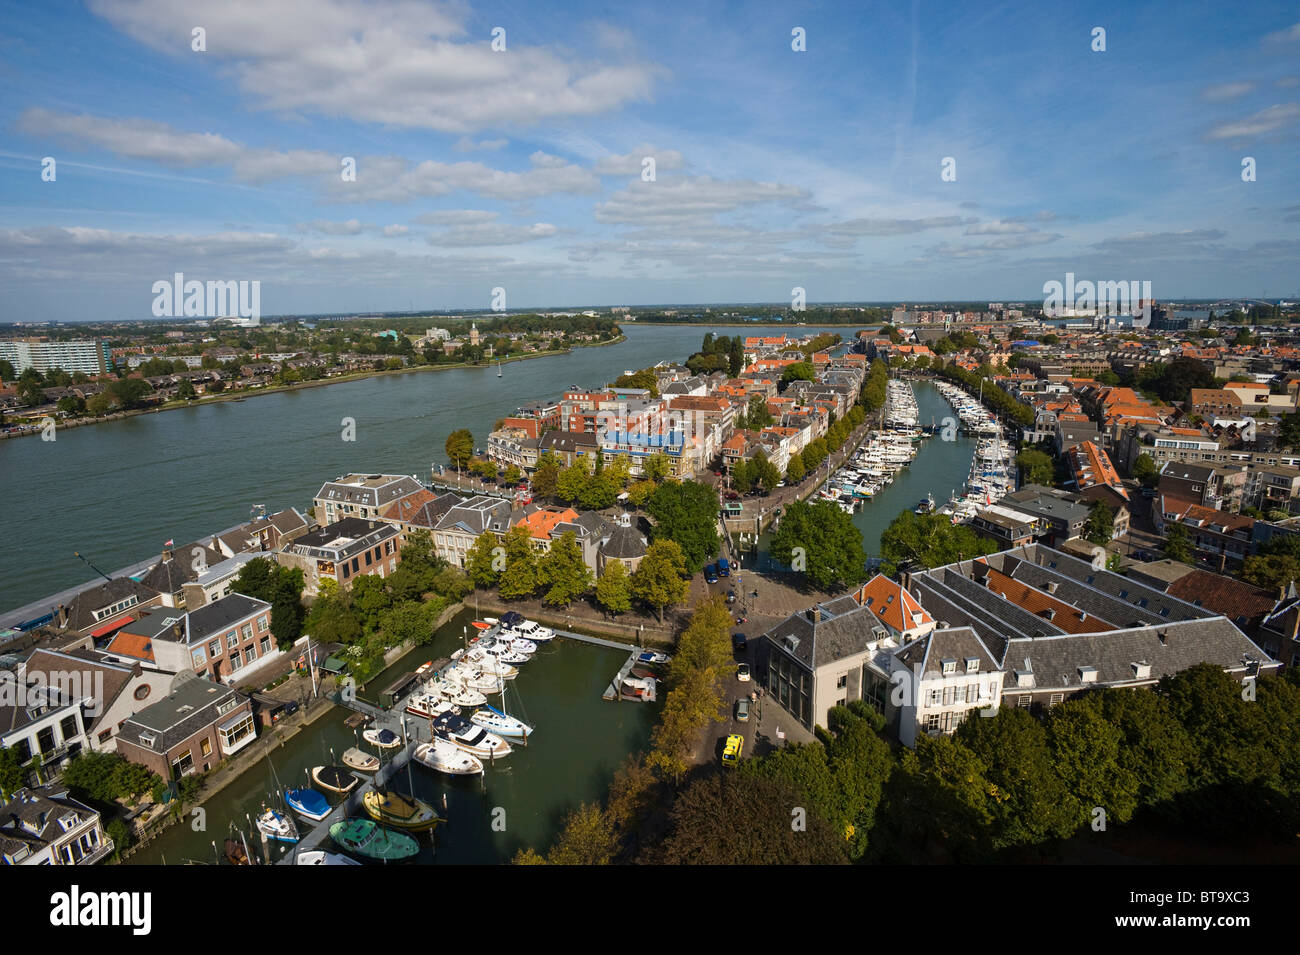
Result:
170,543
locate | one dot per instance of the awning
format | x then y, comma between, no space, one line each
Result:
112,625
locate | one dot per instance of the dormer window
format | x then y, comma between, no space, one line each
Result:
148,739
972,664
949,666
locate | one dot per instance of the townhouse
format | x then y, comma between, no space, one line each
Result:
193,728
360,495
46,826
460,526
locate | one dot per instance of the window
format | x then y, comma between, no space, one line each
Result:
183,765
932,697
214,648
205,747
1023,700
369,559
972,692
232,639
68,727
262,623
265,645
235,662
246,631
1055,698
932,723
842,682
948,695
355,568
250,654
198,657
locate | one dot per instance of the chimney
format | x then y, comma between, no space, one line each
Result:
61,615
814,614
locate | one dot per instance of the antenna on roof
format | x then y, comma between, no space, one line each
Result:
93,567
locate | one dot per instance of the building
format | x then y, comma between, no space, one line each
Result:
457,530
46,826
343,550
90,356
39,719
360,495
199,724
102,610
1061,515
1220,538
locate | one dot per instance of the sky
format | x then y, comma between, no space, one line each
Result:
909,152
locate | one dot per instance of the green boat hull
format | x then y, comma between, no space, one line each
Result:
367,838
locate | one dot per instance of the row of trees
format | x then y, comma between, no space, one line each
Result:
1192,757
718,353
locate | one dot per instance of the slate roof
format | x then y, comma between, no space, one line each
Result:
476,515
623,543
956,643
190,707
168,575
359,532
428,514
82,607
1168,649
1244,604
114,676
833,637
221,615
31,818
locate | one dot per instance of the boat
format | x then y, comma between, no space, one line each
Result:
367,838
429,705
334,778
384,739
307,802
503,724
360,761
471,738
404,812
321,857
237,852
653,656
638,686
443,756
276,825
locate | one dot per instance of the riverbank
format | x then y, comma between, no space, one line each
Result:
70,423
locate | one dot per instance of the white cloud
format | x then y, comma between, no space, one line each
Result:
1257,124
492,233
404,64
666,160
456,217
394,179
133,138
1290,35
674,201
1225,92
467,145
393,231
326,227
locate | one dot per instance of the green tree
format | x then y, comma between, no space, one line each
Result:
512,475
409,621
1036,467
12,774
1145,470
459,447
186,389
1178,544
481,560
572,481
820,540
657,467
660,578
588,838
1087,751
332,619
563,573
521,574
639,493
799,371
130,392
686,512
795,471
613,591
764,473
930,540
546,475
1100,526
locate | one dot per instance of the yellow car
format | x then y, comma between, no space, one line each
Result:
731,751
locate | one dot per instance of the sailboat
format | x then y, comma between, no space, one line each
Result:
405,812
498,368
501,722
444,757
276,825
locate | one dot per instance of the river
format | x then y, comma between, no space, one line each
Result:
116,491
580,742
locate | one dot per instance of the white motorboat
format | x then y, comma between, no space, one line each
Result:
473,739
321,857
443,756
485,662
383,738
535,632
475,679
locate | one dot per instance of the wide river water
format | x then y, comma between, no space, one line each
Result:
116,491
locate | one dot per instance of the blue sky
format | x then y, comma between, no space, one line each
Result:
522,169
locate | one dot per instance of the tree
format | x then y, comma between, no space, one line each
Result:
640,493
521,574
459,447
742,477
656,467
1178,544
12,775
1100,526
369,599
332,619
1087,754
481,560
601,490
930,540
512,475
186,389
588,838
562,571
6,370
99,404
409,621
710,805
544,478
1036,467
821,540
659,579
763,472
799,371
282,588
613,590
1145,470
687,512
572,480
795,471
130,392
756,416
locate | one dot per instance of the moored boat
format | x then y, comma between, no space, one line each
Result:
404,812
503,724
334,778
384,739
360,761
443,756
321,857
307,802
368,838
277,825
469,737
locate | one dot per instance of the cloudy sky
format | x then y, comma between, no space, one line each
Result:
524,167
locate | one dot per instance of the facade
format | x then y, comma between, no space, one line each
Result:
38,719
46,826
89,356
462,524
343,550
197,726
360,495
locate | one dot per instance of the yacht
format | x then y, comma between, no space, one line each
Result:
278,826
445,757
495,721
471,738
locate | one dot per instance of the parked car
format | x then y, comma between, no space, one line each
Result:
711,574
724,567
732,749
288,709
738,641
742,710
742,673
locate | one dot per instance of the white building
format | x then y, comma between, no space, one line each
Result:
89,356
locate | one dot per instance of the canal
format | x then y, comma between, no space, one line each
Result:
580,743
939,469
116,491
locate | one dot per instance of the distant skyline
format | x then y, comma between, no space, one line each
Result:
522,168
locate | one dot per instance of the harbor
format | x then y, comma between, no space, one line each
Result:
518,801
